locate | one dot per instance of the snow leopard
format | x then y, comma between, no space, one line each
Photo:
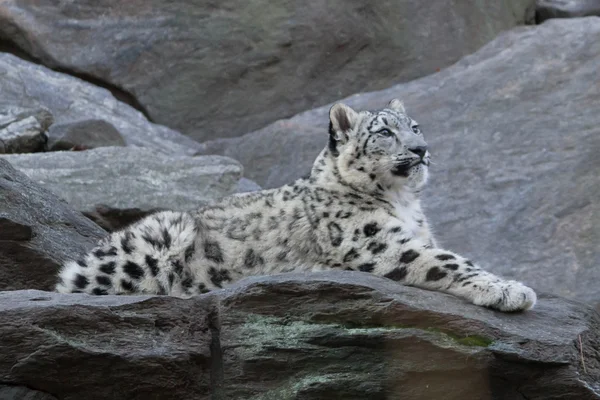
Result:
359,209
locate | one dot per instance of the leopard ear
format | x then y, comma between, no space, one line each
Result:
397,105
342,120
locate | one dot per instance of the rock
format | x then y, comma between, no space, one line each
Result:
279,153
23,393
84,135
246,185
74,347
346,335
23,131
193,65
514,134
114,219
118,185
546,9
71,101
38,232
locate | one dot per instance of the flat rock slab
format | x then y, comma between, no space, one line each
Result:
24,130
38,232
221,69
546,9
514,134
346,335
70,100
116,185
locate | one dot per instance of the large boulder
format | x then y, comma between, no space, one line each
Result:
515,134
71,100
193,65
118,185
38,232
341,335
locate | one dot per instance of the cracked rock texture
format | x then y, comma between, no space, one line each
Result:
38,232
514,133
118,185
193,65
333,335
71,100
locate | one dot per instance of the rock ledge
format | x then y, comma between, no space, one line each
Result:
345,335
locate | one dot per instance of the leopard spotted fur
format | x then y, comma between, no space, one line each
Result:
358,210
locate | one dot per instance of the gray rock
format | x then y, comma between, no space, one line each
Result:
22,393
71,100
108,347
23,131
121,184
344,335
38,232
546,9
246,185
194,65
279,153
84,135
515,136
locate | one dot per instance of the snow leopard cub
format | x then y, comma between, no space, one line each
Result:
358,210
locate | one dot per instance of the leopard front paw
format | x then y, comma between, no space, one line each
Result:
506,296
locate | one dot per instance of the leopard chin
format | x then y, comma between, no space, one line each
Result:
404,169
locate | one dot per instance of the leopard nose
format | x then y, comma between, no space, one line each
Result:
419,150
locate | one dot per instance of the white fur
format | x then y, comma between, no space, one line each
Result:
359,210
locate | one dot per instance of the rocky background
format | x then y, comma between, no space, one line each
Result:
111,110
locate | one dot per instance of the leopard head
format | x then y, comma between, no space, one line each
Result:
377,151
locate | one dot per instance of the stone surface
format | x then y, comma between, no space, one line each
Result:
546,9
193,65
514,134
246,185
117,185
75,347
27,85
84,135
22,393
335,335
23,131
279,153
38,232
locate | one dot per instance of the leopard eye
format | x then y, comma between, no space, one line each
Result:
416,129
385,132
